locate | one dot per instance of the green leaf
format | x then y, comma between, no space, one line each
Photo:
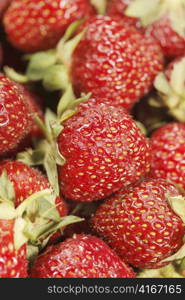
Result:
142,8
56,78
52,171
178,78
7,211
65,101
39,63
19,236
47,208
100,5
162,84
178,255
32,252
12,74
7,192
178,205
31,157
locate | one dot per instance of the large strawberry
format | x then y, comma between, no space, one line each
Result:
33,26
15,119
163,20
168,153
118,62
82,256
13,262
104,150
140,224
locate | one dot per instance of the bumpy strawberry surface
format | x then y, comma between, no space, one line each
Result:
13,263
118,7
118,62
80,257
171,42
104,150
168,153
34,25
27,181
15,120
140,225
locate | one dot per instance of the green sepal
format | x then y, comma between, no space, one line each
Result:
178,255
19,237
31,252
178,205
31,157
100,6
7,192
7,211
12,74
39,63
168,271
56,78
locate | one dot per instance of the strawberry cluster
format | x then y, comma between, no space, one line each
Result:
92,138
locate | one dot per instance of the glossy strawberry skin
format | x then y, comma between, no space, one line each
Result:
168,153
34,26
15,120
27,181
171,42
118,62
116,8
139,224
13,263
104,150
82,256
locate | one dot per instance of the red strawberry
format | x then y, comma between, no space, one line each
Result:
168,153
34,26
163,20
27,181
104,150
118,62
13,262
140,225
3,5
14,116
118,7
82,256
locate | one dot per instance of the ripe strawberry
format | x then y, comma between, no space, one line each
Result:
14,116
27,181
3,5
163,20
118,7
34,26
82,256
140,225
118,62
13,262
104,150
168,153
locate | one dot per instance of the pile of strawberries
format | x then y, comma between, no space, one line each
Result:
92,138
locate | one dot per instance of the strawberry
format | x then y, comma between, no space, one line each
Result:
118,7
163,20
104,150
82,256
168,155
34,26
13,263
3,5
140,225
27,181
118,63
14,116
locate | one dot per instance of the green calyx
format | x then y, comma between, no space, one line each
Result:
169,271
172,92
51,67
100,6
150,11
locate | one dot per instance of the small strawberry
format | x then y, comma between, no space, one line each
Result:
171,88
118,63
82,256
163,20
27,181
34,26
15,120
140,225
13,262
104,150
117,8
168,153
